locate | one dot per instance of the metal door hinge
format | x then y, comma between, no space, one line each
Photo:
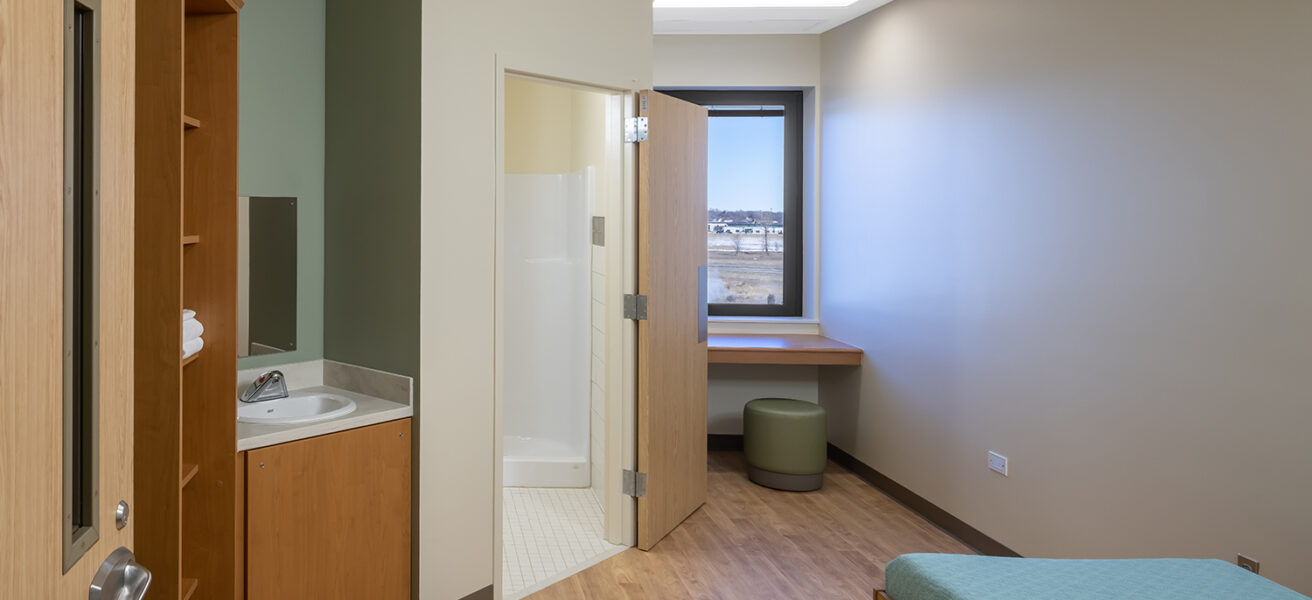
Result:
598,231
635,307
635,129
635,484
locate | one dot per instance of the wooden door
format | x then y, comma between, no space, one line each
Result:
329,517
671,341
32,280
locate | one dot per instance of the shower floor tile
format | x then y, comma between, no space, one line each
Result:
548,533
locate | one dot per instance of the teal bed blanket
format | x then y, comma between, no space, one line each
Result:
958,577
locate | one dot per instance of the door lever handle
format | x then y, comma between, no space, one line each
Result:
120,577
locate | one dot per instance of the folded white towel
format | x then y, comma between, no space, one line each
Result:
188,314
191,329
192,347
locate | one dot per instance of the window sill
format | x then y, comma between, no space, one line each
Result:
775,325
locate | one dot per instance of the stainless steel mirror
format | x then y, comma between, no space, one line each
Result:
266,275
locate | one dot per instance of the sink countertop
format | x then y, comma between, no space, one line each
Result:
368,411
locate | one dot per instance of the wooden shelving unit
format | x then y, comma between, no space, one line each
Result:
213,7
186,484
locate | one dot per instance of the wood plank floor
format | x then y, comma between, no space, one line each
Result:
752,542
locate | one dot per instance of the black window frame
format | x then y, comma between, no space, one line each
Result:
793,302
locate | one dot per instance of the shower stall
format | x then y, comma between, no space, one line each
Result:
558,170
546,338
559,363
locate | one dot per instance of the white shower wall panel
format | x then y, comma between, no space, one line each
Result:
548,332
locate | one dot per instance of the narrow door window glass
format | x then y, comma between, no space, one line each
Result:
81,261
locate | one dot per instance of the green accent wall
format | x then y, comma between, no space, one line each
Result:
282,144
371,282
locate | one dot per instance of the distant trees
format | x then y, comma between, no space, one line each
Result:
737,240
758,217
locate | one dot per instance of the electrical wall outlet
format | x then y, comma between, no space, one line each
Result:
1248,563
998,462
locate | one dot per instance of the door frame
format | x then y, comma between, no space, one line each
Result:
621,334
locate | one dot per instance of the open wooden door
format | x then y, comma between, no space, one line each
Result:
65,442
671,340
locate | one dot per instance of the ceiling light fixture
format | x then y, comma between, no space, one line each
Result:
752,3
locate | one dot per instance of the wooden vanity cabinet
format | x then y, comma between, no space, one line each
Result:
329,516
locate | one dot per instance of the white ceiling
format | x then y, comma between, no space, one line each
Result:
708,21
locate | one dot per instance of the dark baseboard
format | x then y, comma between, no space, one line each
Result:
724,441
946,521
483,594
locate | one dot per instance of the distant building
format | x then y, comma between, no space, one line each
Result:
722,226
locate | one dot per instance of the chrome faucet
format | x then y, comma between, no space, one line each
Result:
269,386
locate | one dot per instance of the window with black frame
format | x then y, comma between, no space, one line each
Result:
754,201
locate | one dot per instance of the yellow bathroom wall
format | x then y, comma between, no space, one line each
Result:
552,128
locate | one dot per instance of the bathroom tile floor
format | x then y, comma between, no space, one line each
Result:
548,534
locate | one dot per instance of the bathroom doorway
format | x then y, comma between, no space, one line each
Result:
561,383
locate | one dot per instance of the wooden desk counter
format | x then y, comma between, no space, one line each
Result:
789,349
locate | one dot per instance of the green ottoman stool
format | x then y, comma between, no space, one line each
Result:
785,442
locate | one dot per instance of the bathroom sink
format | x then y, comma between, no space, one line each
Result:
296,408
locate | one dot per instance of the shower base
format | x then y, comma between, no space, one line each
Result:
540,462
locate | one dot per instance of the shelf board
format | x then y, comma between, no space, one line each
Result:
191,359
190,122
213,7
188,240
786,349
189,587
188,472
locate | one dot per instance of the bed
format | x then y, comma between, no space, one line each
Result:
959,577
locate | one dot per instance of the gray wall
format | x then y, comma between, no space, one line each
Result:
281,137
371,281
1076,232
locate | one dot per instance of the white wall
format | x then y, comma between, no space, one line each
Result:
737,60
1076,232
729,387
602,42
756,61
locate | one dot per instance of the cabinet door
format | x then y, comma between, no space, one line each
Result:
329,517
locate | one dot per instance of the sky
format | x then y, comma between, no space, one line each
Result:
746,163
